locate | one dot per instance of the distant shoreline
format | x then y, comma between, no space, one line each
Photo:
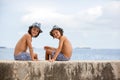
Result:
3,47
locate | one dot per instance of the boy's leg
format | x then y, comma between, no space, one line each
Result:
48,53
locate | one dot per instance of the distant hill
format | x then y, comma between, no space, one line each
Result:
82,48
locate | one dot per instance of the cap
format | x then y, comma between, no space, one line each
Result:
55,26
38,25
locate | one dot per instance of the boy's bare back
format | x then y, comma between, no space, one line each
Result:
66,47
23,43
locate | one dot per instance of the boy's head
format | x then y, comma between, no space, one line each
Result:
35,25
55,27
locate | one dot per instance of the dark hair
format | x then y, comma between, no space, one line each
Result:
29,31
56,28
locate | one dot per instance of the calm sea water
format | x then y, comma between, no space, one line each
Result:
78,54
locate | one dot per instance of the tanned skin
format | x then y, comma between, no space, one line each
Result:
64,47
25,42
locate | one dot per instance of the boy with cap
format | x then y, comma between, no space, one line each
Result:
64,50
20,52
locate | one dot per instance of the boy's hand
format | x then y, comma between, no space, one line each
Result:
52,60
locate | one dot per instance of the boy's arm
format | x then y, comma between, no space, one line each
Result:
48,47
29,40
59,48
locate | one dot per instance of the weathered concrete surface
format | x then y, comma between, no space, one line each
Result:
70,70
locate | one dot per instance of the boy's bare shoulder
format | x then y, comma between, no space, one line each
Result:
63,37
27,35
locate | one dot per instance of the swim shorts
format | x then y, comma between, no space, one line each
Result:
22,56
60,57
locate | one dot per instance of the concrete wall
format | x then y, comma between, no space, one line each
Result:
70,70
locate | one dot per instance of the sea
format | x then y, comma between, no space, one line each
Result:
77,54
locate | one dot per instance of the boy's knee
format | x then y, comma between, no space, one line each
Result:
35,56
48,52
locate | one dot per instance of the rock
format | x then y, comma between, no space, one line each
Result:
60,70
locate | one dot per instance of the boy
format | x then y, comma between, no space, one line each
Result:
64,50
25,42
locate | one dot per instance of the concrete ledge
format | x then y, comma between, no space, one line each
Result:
67,70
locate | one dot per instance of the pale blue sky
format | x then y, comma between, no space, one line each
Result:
87,23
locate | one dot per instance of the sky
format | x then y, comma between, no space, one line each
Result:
86,23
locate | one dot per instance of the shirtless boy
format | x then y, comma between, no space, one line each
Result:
20,52
64,50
